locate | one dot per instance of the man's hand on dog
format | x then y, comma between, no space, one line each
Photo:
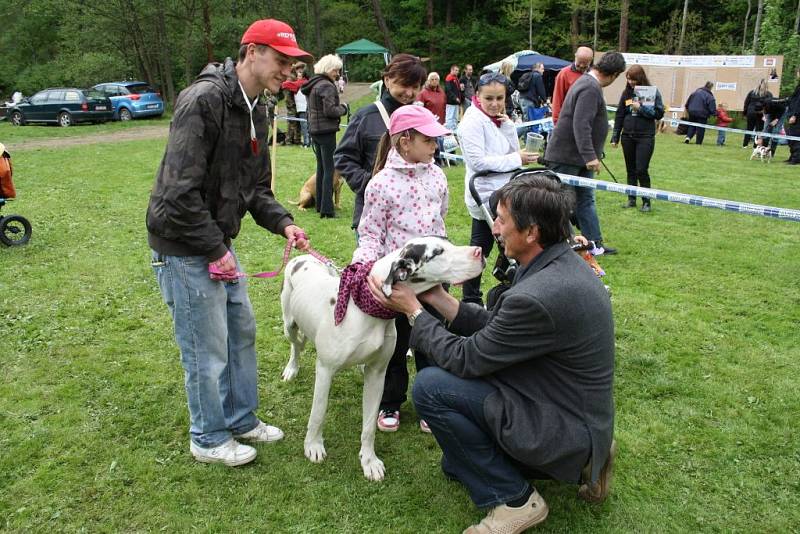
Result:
300,239
403,299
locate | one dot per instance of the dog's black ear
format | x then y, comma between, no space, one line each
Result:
400,270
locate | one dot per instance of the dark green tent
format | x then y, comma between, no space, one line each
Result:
363,46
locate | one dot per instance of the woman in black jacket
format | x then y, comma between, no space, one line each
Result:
754,110
324,115
635,123
355,156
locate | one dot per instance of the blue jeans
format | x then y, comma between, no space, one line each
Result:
215,331
585,209
451,116
304,127
721,137
453,408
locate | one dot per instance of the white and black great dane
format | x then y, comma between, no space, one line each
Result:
308,298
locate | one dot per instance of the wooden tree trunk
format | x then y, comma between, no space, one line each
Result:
165,51
448,14
530,25
797,19
207,32
596,15
139,46
574,27
624,8
431,33
757,28
683,25
387,38
317,27
746,22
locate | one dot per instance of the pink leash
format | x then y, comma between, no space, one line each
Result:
272,274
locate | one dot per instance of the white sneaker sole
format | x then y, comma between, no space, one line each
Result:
229,463
256,440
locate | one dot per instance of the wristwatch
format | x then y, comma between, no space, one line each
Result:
413,316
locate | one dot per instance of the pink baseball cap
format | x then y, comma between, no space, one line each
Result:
416,117
275,34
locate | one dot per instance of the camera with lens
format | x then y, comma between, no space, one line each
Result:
504,269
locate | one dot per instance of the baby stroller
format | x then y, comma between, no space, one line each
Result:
505,268
14,229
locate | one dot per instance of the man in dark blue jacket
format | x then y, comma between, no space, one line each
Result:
532,91
524,390
700,106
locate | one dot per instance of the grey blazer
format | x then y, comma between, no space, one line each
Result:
548,348
582,126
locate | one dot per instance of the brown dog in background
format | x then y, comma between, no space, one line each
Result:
309,192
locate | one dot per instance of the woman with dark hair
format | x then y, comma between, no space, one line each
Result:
324,115
354,159
355,155
754,104
635,123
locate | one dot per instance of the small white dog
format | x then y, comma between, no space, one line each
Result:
309,294
762,152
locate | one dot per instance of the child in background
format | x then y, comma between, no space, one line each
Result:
406,198
723,121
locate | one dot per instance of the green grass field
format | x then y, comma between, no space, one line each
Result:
93,414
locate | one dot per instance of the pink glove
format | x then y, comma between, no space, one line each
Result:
216,273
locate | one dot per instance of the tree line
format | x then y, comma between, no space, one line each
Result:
166,43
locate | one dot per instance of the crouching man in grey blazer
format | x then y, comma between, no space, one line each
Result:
523,391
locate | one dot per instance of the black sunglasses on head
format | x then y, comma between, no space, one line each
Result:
491,77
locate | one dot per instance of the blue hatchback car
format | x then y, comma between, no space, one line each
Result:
132,100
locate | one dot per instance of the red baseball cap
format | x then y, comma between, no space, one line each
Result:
277,35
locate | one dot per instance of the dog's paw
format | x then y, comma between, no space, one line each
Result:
373,468
315,452
289,372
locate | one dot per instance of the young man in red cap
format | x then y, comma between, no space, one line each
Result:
215,169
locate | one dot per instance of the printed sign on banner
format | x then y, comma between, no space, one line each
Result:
678,76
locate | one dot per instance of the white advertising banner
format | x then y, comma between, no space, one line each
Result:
660,60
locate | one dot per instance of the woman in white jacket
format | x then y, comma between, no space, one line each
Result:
489,142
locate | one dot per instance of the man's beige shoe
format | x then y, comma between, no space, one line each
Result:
597,492
506,520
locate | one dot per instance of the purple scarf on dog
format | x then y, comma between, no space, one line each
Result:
354,284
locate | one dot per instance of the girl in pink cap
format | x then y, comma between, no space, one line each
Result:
406,198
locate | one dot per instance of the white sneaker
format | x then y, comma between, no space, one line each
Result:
263,433
230,453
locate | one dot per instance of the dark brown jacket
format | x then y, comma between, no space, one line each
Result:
324,110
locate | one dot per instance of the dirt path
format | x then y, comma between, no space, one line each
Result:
352,92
